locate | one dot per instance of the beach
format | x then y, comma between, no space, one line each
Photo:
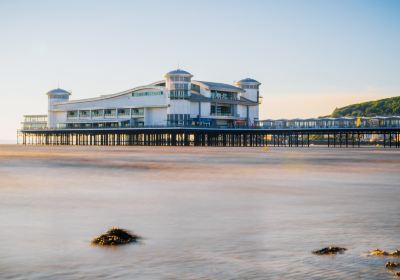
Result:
202,212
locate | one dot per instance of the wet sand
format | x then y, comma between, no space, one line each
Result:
204,213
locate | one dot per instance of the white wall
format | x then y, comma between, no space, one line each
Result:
155,116
253,113
250,94
241,110
205,109
53,118
194,109
179,107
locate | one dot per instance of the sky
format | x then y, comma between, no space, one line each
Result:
310,56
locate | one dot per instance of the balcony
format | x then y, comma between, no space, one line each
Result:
224,114
124,113
137,112
84,117
218,96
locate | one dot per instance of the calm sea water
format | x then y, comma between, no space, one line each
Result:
203,213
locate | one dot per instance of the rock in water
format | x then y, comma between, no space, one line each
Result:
378,252
397,274
392,265
395,253
331,250
115,236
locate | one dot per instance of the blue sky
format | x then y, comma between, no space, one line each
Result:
310,56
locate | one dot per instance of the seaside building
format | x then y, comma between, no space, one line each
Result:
177,100
180,111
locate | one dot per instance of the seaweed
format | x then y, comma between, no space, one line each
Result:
331,250
115,236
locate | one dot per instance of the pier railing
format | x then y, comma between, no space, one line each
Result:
338,132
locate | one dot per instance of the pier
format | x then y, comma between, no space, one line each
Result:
388,137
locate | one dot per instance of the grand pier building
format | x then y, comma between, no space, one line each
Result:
180,111
177,100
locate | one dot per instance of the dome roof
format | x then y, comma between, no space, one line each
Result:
248,81
58,91
178,72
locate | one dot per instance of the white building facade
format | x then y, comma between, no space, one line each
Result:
177,100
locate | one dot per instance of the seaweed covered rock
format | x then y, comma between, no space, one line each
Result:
392,265
115,236
379,252
395,253
331,250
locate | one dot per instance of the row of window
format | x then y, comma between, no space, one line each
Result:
105,112
178,117
179,79
223,95
250,86
34,125
180,86
38,118
222,110
147,93
179,94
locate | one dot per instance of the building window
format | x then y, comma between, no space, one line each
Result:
147,93
138,111
179,94
178,119
72,114
97,113
123,112
223,95
217,110
195,88
109,112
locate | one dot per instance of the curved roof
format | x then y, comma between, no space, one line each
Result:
108,96
58,91
248,81
219,86
178,72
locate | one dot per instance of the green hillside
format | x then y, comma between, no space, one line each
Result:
382,107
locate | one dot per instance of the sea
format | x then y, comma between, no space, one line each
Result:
201,212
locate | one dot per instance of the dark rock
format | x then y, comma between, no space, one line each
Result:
115,236
331,250
392,265
395,253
